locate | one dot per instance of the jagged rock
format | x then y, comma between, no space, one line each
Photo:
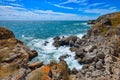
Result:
80,53
39,74
96,73
89,58
64,56
74,71
90,48
56,38
34,65
14,55
33,54
11,57
60,71
65,41
18,75
101,55
99,64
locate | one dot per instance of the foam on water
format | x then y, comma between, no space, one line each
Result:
49,52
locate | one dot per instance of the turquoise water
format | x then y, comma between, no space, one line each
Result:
35,33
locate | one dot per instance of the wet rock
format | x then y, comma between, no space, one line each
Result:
56,38
33,54
45,43
64,57
57,43
65,41
69,40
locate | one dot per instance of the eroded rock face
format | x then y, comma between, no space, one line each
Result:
101,50
14,56
15,65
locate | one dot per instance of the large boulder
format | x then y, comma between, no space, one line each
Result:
53,71
65,41
34,65
41,73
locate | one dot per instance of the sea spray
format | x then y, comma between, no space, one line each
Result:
48,52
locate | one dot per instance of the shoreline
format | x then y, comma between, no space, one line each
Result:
98,52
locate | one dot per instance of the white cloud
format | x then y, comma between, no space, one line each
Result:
95,4
73,1
10,0
101,11
16,5
62,6
13,13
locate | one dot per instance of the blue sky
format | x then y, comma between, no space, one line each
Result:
56,9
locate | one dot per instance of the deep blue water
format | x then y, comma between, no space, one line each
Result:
45,29
35,33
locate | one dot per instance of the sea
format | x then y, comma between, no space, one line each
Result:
35,33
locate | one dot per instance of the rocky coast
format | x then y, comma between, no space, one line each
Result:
98,51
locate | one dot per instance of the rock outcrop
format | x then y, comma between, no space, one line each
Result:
15,65
99,50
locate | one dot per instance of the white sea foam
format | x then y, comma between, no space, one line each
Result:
49,52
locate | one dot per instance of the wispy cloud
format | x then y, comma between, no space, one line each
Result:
101,11
95,4
73,1
16,5
13,13
57,5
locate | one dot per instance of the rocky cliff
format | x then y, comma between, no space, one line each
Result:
98,51
15,65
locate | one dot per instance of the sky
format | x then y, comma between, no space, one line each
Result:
56,9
